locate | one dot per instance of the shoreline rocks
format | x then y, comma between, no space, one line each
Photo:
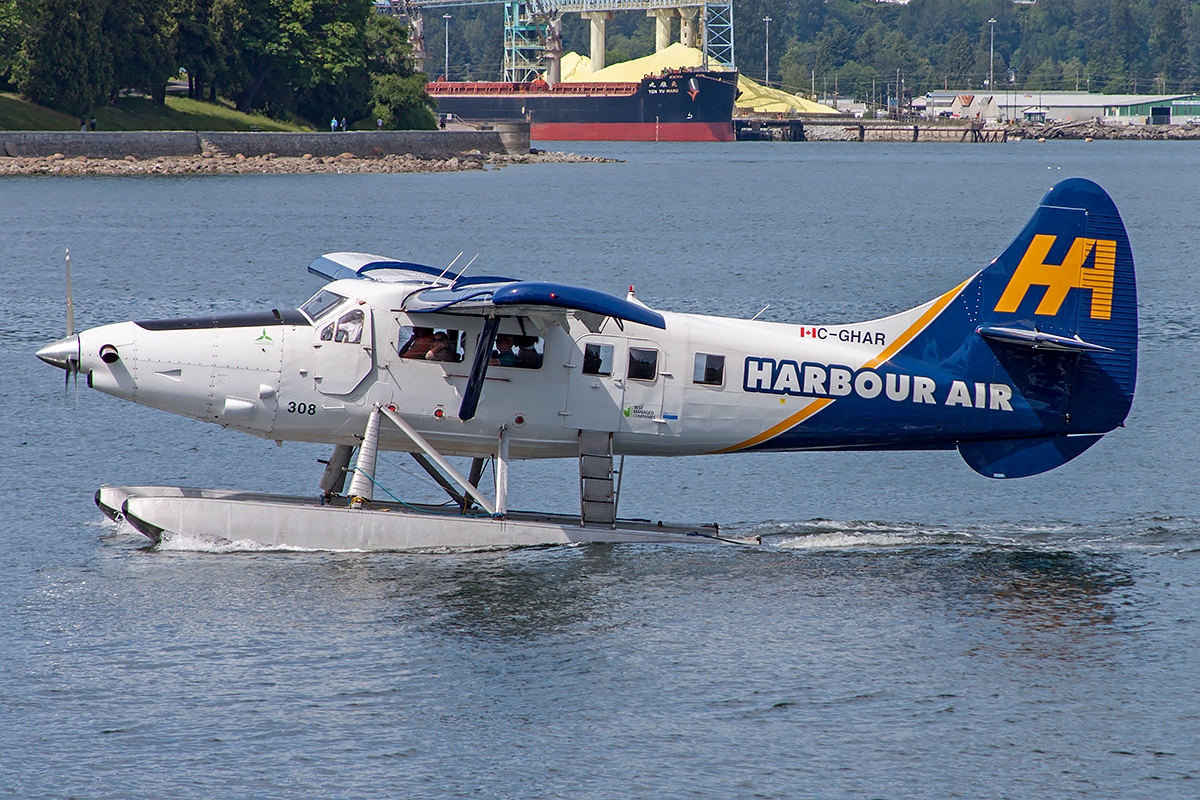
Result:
1093,129
212,162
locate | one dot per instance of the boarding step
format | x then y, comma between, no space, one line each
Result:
597,500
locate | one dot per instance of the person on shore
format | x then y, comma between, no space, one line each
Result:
92,124
379,124
333,125
83,125
344,127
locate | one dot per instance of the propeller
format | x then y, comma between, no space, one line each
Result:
72,363
65,353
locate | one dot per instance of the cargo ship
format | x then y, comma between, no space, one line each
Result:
680,105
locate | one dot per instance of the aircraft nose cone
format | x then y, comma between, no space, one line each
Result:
62,353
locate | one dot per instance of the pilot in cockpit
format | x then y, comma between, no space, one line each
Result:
350,327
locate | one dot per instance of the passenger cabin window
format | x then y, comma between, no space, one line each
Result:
321,304
522,352
643,364
430,344
709,370
597,359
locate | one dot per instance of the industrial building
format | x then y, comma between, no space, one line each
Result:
1039,106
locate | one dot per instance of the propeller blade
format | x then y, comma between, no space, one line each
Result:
70,304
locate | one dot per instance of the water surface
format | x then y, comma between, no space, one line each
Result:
912,630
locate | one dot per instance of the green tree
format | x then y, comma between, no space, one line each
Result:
959,60
140,36
1168,41
197,47
283,45
397,91
14,23
64,61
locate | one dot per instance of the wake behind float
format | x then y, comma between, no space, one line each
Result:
1021,368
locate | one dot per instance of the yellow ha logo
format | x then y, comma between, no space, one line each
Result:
1062,278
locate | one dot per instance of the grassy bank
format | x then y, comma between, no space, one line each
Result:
138,114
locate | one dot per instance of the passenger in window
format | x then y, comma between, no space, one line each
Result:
503,355
418,344
327,333
527,354
441,349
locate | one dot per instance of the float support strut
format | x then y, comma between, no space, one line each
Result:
362,483
333,480
435,456
501,472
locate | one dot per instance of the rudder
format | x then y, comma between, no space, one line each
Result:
1058,310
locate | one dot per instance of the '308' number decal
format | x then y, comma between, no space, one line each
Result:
301,408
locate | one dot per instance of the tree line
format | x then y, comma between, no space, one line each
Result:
1115,46
310,59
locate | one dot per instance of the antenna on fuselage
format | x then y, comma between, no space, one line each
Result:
464,271
447,269
760,313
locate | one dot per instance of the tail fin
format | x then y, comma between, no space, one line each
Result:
1056,316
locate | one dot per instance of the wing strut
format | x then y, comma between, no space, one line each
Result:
483,352
436,457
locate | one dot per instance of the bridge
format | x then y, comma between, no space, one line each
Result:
533,29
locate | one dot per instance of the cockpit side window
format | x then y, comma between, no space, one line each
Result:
321,304
350,327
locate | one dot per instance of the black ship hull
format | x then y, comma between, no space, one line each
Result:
678,106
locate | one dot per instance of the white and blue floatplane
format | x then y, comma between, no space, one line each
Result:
1021,368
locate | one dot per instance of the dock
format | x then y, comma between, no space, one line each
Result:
780,128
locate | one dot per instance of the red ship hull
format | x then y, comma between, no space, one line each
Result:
632,131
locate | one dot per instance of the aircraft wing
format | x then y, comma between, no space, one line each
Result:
484,296
528,298
342,266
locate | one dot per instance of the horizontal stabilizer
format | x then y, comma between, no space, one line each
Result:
1023,337
1020,458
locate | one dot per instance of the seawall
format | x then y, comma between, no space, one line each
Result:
505,139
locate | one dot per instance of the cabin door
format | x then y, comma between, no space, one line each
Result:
344,351
597,384
645,381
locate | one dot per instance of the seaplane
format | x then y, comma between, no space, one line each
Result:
1020,368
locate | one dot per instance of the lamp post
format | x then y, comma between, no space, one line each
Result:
767,69
446,72
992,57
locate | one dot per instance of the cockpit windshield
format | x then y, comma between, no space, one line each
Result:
321,304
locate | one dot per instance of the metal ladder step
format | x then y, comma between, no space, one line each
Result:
597,500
